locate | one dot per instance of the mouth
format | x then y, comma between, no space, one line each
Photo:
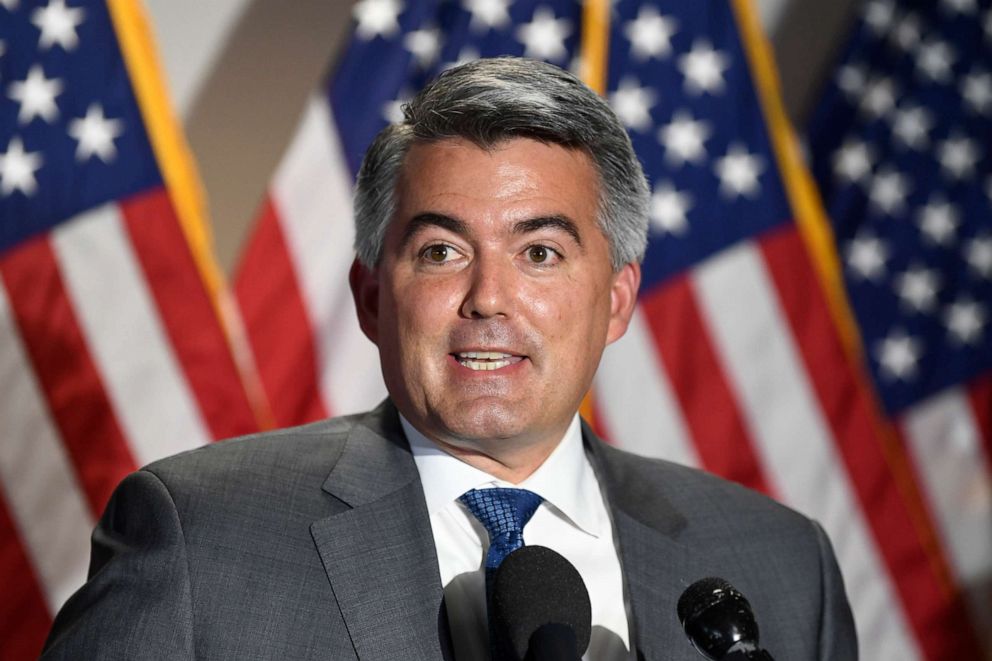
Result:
486,361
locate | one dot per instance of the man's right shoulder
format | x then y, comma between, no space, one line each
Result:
303,452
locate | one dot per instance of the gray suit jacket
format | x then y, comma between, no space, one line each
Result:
315,543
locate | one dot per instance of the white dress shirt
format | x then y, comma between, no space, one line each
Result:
573,520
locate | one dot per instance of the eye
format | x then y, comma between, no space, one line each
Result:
538,254
438,253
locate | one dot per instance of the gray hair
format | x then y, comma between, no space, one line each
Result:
490,101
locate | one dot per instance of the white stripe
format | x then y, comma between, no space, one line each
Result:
792,437
946,447
118,317
48,507
635,399
312,195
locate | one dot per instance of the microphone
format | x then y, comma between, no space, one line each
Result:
719,622
540,607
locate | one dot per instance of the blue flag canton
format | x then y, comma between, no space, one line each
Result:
900,152
680,83
397,46
71,135
678,80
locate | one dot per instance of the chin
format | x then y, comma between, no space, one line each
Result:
484,421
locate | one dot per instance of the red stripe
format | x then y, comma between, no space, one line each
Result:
980,397
24,617
187,314
710,408
881,476
278,326
61,360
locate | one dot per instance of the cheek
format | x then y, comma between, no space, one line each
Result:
542,306
578,304
423,316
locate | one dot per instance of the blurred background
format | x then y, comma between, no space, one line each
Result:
240,72
813,320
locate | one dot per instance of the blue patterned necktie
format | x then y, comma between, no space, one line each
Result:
504,513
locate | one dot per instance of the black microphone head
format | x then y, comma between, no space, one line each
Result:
716,618
533,587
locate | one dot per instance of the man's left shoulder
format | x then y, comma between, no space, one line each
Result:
702,503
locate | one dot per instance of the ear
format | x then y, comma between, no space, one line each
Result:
365,291
623,298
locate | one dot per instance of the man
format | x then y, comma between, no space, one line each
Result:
499,233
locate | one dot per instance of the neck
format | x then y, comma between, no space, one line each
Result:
513,466
510,458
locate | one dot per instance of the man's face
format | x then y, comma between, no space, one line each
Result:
494,296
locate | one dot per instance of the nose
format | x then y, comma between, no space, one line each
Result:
490,289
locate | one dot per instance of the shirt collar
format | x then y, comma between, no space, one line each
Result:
565,480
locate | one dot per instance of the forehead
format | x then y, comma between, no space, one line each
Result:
506,182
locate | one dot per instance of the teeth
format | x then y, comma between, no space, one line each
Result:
485,355
486,360
488,365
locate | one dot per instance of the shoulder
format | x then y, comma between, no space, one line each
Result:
700,502
264,467
276,447
273,445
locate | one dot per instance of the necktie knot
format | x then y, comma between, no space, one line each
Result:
504,513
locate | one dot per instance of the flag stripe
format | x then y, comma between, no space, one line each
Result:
735,295
98,264
980,397
187,317
938,624
311,193
356,378
177,167
704,395
38,482
630,379
61,360
278,327
810,217
172,154
24,619
944,440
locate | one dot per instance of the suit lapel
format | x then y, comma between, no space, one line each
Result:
379,555
657,566
657,570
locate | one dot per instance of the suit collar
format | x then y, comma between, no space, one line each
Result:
375,460
657,565
565,480
379,551
381,562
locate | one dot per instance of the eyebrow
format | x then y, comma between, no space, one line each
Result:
563,223
424,220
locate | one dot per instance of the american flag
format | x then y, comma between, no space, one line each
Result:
112,351
900,150
741,359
